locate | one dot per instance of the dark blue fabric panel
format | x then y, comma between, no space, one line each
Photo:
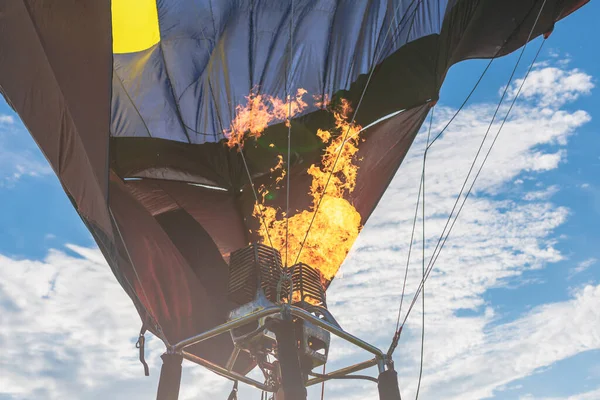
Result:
148,94
125,117
211,99
212,54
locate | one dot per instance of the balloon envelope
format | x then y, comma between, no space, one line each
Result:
133,103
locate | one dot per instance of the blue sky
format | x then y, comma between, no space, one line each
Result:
512,306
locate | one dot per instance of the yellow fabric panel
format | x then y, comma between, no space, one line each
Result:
134,25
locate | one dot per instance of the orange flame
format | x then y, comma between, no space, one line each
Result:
279,166
322,101
260,111
337,223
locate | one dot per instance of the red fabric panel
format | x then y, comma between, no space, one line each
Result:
382,153
215,210
166,286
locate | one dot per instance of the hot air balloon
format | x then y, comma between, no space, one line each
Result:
225,154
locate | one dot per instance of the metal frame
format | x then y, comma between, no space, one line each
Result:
381,359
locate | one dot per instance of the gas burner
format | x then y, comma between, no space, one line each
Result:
257,281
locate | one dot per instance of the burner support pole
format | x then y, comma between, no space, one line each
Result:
170,377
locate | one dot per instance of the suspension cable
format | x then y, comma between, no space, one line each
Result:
289,138
258,204
241,151
376,56
472,91
442,240
396,337
432,262
423,255
439,134
464,101
412,235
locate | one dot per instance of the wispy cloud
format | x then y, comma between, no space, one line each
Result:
19,155
544,194
6,119
584,265
519,348
589,395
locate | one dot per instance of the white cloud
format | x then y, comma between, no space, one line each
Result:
549,333
68,332
553,53
554,86
67,328
6,119
75,327
589,395
494,243
584,265
541,194
19,155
